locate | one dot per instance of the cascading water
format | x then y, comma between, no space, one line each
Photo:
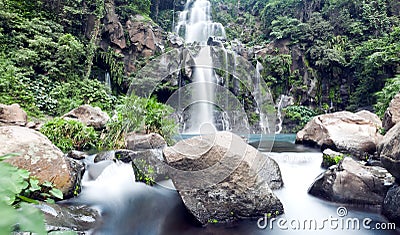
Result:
107,80
196,26
279,115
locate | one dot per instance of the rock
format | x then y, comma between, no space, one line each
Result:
13,114
123,155
77,155
351,182
175,41
389,151
330,158
138,142
39,156
371,117
222,178
62,217
90,116
149,165
113,27
392,114
141,34
343,131
391,205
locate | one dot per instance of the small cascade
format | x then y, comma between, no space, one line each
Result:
263,125
279,115
107,80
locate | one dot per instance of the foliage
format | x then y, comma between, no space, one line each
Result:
72,94
330,160
139,115
70,134
16,186
392,88
300,114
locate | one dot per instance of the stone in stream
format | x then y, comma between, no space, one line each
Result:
352,182
391,205
330,158
139,142
389,151
344,131
90,116
38,155
392,114
221,178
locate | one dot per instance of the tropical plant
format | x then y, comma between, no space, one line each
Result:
392,88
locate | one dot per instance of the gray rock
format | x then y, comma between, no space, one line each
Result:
389,151
344,131
391,205
139,142
330,158
77,155
90,116
370,116
392,114
38,155
13,114
351,182
123,155
220,177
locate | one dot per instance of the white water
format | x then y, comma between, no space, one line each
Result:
279,115
107,80
195,25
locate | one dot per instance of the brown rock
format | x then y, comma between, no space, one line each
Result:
341,131
389,151
90,116
392,114
39,156
370,116
138,142
13,114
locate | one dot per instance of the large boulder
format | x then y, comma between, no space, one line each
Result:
352,182
138,142
391,205
13,114
389,151
344,131
90,116
370,116
222,178
392,114
39,156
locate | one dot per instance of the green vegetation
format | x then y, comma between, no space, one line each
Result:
139,115
144,172
392,88
299,114
17,188
70,134
330,160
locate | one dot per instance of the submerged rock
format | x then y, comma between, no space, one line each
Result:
39,156
90,116
341,131
62,217
392,114
13,114
221,178
389,151
351,182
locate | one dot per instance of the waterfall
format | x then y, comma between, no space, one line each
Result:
196,26
279,115
107,80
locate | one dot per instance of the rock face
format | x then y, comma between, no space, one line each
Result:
13,114
139,142
391,205
344,131
392,114
389,151
39,156
90,116
351,182
221,178
370,116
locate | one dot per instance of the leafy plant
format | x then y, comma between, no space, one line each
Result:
330,160
70,134
299,114
392,88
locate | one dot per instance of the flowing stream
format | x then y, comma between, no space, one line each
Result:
135,208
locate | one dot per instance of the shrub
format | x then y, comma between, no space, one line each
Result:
70,134
392,88
300,114
139,115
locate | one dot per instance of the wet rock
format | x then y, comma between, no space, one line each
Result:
175,41
389,151
123,155
62,217
391,205
330,158
149,165
90,116
39,156
392,114
222,178
13,114
351,182
138,142
344,131
77,155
